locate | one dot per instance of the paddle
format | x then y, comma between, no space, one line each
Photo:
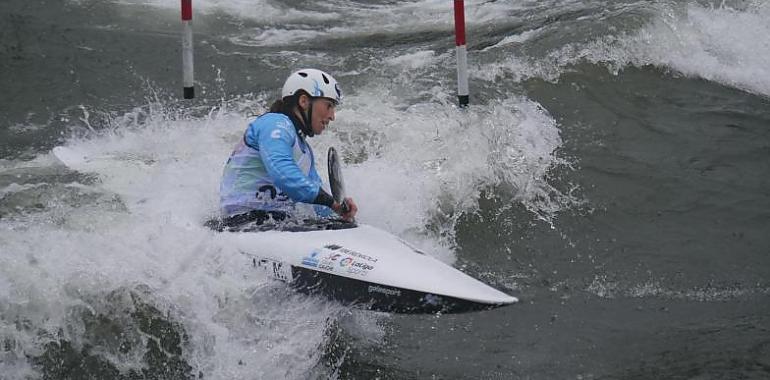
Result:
335,180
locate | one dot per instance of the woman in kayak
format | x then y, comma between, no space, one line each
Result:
271,173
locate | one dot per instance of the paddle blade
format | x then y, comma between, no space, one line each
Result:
335,176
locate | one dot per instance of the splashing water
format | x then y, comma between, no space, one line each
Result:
126,251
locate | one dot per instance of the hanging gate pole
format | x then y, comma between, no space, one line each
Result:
462,54
187,50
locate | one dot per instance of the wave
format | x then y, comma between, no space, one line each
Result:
262,11
270,23
716,44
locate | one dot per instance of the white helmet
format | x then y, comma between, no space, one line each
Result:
315,82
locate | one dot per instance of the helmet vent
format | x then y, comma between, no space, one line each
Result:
304,75
326,80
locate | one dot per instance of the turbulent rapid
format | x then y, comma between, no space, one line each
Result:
611,171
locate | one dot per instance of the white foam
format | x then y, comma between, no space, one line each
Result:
166,173
515,39
413,172
415,60
431,161
723,45
263,11
275,37
717,44
288,24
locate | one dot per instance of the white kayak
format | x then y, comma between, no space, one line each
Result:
367,267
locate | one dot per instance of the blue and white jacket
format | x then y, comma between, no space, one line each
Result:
271,169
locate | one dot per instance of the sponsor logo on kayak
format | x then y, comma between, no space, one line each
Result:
383,290
363,266
335,247
355,267
322,262
311,260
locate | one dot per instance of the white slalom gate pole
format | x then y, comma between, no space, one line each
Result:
462,54
187,50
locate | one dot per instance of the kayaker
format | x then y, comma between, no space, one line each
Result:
271,173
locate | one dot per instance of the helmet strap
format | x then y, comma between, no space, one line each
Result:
308,122
307,117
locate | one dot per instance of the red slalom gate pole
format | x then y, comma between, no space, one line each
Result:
187,50
462,54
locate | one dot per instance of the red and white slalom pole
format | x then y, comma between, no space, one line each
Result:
187,50
462,54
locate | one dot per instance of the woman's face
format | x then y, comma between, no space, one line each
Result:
323,113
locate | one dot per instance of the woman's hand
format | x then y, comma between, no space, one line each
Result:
350,213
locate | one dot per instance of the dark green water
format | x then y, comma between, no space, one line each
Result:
611,172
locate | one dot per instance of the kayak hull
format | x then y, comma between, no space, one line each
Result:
378,297
368,268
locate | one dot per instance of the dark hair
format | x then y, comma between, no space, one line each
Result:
287,104
278,106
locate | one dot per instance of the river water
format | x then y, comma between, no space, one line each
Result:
611,172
